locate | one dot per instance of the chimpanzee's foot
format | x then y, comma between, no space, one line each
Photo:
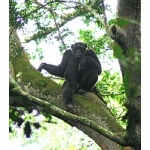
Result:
70,107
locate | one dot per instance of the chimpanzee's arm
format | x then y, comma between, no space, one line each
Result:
57,70
94,60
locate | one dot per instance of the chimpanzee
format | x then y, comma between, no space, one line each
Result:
79,67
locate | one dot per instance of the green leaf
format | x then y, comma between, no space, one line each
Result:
121,22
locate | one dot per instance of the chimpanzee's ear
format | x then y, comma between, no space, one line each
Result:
72,46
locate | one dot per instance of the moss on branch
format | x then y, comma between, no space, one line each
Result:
118,138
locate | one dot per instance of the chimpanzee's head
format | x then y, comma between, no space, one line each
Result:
78,49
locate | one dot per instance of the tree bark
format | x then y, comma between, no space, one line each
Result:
128,38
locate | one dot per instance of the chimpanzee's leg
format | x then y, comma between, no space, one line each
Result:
70,85
69,88
88,80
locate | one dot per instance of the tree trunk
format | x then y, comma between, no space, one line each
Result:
128,38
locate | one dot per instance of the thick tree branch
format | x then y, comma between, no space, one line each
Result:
116,137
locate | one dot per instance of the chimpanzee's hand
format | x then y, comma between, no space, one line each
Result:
41,67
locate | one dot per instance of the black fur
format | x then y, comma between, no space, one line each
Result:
79,67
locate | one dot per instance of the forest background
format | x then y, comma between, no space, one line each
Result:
5,65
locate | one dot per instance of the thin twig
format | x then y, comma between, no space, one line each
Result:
106,23
56,24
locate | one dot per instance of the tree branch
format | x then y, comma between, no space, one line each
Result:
56,24
116,137
70,16
105,18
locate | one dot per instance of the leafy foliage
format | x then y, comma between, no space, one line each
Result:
21,118
112,90
122,22
99,44
46,137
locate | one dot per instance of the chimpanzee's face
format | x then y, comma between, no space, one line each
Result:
78,49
